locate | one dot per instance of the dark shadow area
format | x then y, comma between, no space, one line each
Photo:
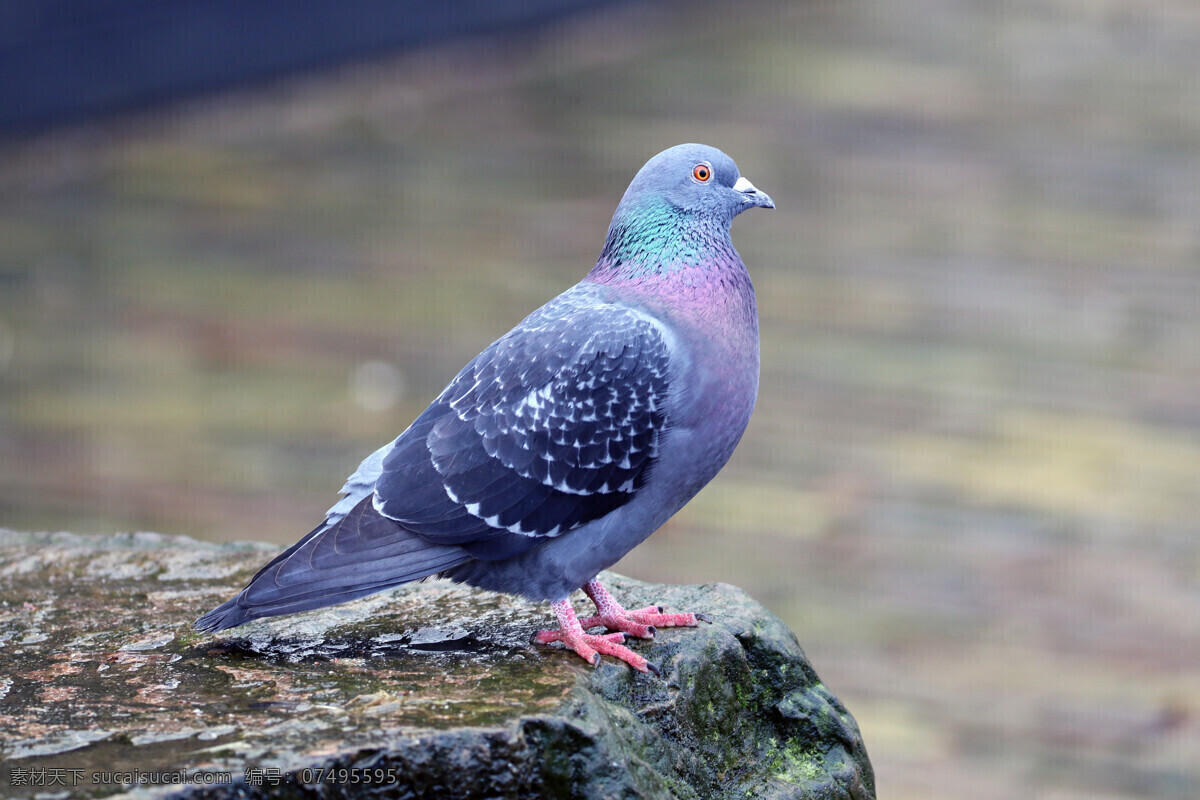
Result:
67,60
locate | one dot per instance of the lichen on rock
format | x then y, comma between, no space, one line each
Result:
433,688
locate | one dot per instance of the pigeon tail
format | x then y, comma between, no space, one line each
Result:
236,612
227,615
341,560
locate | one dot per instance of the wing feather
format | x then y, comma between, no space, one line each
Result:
556,424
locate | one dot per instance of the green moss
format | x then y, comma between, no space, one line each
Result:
799,763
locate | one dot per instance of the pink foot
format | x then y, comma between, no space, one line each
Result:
642,623
590,646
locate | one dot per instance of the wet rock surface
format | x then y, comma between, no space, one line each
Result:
432,690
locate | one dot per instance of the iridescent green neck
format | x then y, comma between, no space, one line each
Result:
657,238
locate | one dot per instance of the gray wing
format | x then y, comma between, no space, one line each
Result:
554,425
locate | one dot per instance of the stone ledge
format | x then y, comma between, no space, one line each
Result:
432,688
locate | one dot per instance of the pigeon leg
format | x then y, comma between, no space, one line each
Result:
589,646
642,623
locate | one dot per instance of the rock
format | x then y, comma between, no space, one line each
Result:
432,689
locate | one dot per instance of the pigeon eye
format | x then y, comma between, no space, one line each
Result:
701,172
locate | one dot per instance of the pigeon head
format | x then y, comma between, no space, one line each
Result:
676,212
694,179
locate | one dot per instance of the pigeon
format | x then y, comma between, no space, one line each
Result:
570,439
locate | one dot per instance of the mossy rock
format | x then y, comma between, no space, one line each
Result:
430,691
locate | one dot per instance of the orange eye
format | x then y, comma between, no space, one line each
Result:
701,172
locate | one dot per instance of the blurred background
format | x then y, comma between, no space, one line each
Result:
971,482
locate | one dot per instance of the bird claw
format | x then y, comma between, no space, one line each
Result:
642,623
590,647
658,619
546,637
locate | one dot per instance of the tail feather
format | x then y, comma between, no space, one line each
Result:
355,556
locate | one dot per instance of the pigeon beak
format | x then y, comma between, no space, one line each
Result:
752,196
